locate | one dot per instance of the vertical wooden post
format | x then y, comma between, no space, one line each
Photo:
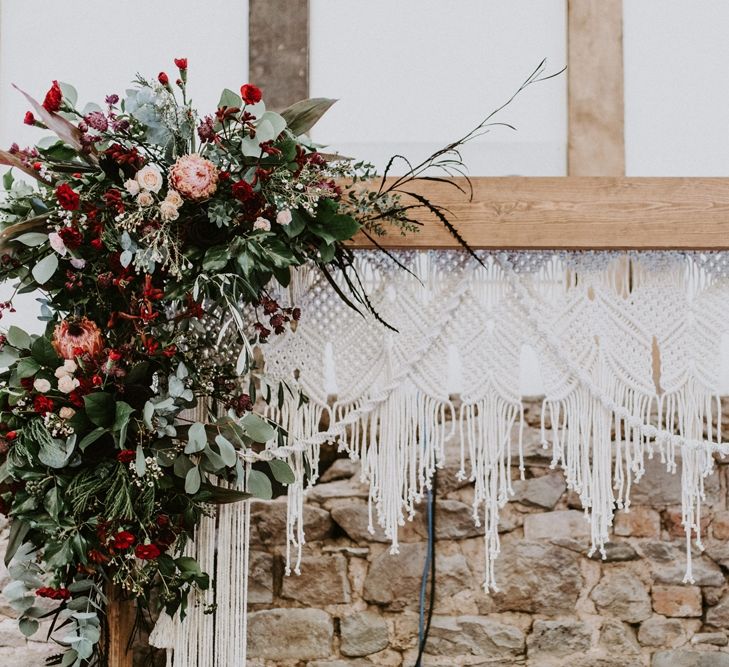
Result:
596,144
278,47
120,615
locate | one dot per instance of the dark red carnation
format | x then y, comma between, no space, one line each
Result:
163,79
96,556
72,237
123,540
126,456
147,551
76,398
67,198
170,351
242,191
53,593
251,94
52,101
43,404
29,118
181,63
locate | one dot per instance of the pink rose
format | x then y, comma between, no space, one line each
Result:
194,177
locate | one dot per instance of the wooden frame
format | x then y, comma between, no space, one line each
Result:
577,213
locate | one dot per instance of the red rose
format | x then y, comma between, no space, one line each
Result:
126,456
147,551
43,404
66,197
251,94
181,63
163,79
52,101
242,191
123,540
29,118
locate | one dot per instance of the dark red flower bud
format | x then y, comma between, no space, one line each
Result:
126,456
181,63
29,118
163,79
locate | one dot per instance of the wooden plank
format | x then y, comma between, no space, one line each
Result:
120,614
278,47
596,143
577,213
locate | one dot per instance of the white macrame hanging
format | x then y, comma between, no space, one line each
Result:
598,323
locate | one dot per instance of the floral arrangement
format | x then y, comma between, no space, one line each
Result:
154,236
150,228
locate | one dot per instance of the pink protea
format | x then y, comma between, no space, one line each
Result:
78,336
194,177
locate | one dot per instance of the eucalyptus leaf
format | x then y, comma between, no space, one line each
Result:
91,437
140,464
18,338
192,481
31,239
227,450
257,428
281,471
197,438
28,626
43,271
259,485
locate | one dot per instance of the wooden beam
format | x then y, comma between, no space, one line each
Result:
120,613
278,47
596,143
577,213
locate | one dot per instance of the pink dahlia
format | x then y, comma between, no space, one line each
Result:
194,177
74,337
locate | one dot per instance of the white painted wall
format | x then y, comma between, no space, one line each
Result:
412,75
676,87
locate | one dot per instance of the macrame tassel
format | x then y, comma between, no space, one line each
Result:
486,428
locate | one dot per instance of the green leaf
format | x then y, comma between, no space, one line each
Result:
342,227
28,626
27,367
216,258
327,252
182,465
303,115
197,438
100,408
52,502
43,352
18,338
44,270
296,226
192,481
227,450
31,239
122,414
229,99
256,428
223,496
259,485
282,471
81,585
91,437
70,95
18,530
8,179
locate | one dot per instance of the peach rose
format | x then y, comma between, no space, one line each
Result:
194,177
149,178
77,336
145,199
173,197
168,211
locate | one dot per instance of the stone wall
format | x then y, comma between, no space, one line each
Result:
355,605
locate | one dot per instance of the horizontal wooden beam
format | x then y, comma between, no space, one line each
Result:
581,212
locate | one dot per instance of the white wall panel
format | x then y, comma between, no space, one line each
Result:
412,75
